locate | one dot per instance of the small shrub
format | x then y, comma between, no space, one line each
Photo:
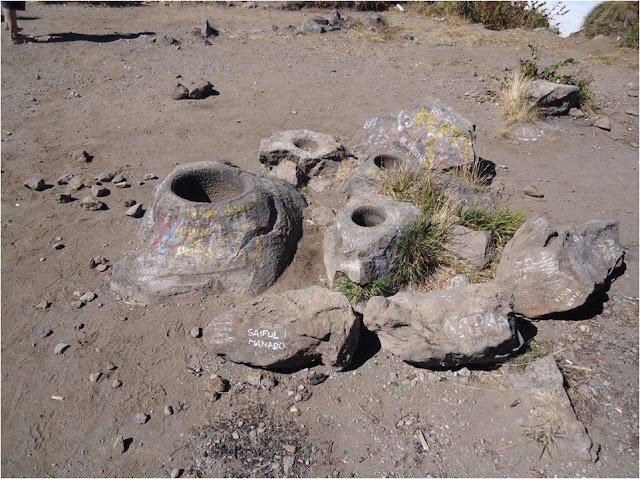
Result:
631,37
357,293
503,223
415,187
609,18
552,425
514,104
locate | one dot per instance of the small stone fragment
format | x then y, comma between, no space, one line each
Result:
76,183
317,378
217,384
129,203
180,92
116,383
99,191
91,204
135,211
289,448
203,29
176,472
603,123
235,435
105,177
95,261
36,184
102,267
294,410
78,326
268,382
141,418
149,176
81,156
88,296
60,348
43,305
287,463
64,198
58,245
168,410
95,377
64,179
196,332
119,445
531,190
201,90
77,304
45,333
118,178
576,113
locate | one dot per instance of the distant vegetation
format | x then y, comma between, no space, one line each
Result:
614,18
494,15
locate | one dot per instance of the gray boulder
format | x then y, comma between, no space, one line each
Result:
287,330
212,226
472,248
363,241
367,177
427,133
464,194
543,382
555,98
551,270
311,151
470,324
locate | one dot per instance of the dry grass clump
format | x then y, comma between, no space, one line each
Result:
344,168
610,18
514,104
552,425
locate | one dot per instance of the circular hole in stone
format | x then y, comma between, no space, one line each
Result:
368,216
207,186
386,162
306,144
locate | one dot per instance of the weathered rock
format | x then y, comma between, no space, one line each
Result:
89,203
532,191
212,226
64,198
367,177
286,330
201,90
36,184
465,195
119,178
311,151
88,296
312,26
64,179
165,40
425,134
99,191
141,418
102,267
80,156
458,281
119,445
551,270
149,176
555,98
363,242
135,211
335,19
203,29
472,248
576,113
318,185
471,324
168,410
288,171
180,92
104,177
322,215
543,381
372,19
58,246
60,348
76,183
196,332
603,123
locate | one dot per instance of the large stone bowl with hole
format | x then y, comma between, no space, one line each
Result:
212,226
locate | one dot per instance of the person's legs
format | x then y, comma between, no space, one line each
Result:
11,17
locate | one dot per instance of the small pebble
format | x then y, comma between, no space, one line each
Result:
168,410
149,176
196,332
118,179
43,305
77,304
290,449
294,410
129,203
36,184
102,267
105,177
119,445
99,191
95,377
135,211
533,191
88,296
116,383
317,378
176,472
78,326
141,418
65,179
60,348
269,382
122,184
58,246
63,198
235,435
45,333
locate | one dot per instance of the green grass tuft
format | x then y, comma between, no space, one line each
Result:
503,223
613,18
357,293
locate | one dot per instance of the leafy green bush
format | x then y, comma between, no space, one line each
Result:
357,293
613,18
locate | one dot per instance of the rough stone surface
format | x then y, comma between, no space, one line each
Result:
288,171
603,123
458,281
542,377
91,204
312,26
76,183
99,191
80,156
470,247
212,226
104,177
532,191
471,324
64,198
465,195
60,348
287,330
135,211
363,241
203,29
427,133
322,215
36,184
551,270
372,19
555,98
311,151
180,92
64,179
201,90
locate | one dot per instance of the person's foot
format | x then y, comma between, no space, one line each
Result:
17,39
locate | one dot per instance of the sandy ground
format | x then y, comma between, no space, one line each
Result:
105,87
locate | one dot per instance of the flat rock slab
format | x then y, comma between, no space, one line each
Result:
470,324
311,151
551,270
464,194
543,381
555,98
212,226
470,247
363,241
427,133
287,330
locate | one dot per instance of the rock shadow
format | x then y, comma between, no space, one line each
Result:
368,347
93,38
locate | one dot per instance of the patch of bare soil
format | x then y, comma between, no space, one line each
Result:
93,79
